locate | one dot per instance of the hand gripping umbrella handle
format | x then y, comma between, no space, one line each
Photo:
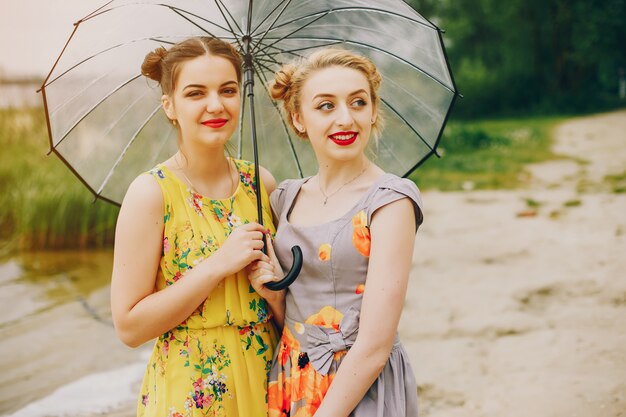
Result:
291,276
249,87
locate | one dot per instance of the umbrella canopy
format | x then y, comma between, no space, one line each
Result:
104,117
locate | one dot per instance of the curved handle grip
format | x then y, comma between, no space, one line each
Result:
291,276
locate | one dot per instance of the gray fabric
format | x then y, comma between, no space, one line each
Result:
333,283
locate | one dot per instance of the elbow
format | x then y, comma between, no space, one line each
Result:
377,355
127,335
129,340
380,358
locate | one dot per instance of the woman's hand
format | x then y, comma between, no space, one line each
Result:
242,247
265,270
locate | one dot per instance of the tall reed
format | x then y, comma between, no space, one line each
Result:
42,204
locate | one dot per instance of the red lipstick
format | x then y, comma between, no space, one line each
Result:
215,123
343,138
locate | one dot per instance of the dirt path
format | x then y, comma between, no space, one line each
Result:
517,310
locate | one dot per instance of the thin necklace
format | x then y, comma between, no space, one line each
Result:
327,196
232,183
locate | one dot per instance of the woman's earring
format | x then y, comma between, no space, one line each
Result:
174,122
301,129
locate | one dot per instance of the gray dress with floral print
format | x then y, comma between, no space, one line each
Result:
324,303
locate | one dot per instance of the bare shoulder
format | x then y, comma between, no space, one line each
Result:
268,180
144,196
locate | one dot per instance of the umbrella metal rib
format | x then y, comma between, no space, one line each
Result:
253,32
47,83
219,3
393,109
97,12
75,96
130,142
434,78
178,12
292,51
285,127
88,112
271,25
349,9
291,33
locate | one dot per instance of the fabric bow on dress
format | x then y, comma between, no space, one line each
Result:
323,342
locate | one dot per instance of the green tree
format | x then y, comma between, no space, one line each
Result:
529,55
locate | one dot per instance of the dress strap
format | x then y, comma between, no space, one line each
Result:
282,198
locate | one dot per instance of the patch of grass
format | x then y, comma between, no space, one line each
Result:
572,203
489,154
533,203
42,204
617,182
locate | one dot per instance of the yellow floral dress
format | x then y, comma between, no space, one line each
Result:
216,362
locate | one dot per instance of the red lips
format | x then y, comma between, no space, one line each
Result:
343,138
215,123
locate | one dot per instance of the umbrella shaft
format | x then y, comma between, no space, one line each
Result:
249,88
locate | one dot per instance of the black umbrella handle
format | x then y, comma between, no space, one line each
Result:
291,276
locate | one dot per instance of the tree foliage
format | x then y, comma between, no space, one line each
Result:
532,55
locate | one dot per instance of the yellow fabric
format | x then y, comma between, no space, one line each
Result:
216,362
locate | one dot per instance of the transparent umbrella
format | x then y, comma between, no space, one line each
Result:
104,118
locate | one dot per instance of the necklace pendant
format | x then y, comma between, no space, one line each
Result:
325,201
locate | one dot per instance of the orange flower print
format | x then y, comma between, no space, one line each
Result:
360,288
290,341
326,317
324,252
361,234
278,398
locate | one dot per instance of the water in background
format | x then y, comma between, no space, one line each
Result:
59,354
18,95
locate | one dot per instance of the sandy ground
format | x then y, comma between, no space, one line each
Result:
512,310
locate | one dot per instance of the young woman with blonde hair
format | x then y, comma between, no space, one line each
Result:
339,353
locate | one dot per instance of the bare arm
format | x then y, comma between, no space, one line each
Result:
268,180
141,313
393,237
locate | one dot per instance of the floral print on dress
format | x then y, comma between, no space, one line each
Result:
195,201
361,234
246,179
324,252
326,317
